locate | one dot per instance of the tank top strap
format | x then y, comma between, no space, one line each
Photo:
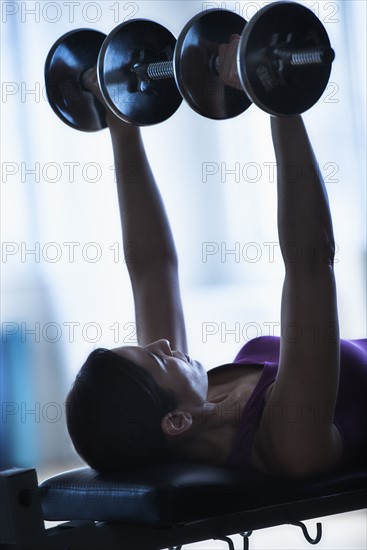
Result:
239,457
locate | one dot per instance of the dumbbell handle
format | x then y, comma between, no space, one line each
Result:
310,56
160,70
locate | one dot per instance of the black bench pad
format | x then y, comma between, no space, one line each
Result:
180,493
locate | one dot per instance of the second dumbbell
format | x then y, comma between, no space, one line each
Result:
143,73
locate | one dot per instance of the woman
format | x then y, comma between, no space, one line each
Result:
289,407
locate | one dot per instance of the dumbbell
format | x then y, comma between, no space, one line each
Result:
284,63
143,72
69,58
77,51
284,59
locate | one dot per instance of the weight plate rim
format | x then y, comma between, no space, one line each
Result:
101,65
246,83
180,41
46,71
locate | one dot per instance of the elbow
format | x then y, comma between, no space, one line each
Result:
140,261
158,267
324,251
310,258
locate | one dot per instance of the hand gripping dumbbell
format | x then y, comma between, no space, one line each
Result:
67,61
283,59
142,72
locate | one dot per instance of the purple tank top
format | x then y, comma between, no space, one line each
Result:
350,412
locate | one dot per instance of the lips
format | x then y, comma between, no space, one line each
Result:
180,355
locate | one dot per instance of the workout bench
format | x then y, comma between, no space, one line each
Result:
163,507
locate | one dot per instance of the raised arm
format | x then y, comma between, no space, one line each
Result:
148,244
299,416
150,252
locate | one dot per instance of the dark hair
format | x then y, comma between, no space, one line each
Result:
114,411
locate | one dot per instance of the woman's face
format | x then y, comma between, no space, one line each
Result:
172,370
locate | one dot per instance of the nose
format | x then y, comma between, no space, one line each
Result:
162,346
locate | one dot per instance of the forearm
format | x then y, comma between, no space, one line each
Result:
304,219
145,226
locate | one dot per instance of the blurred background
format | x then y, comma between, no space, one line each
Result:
65,288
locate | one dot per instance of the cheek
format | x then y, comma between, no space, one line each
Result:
199,380
200,371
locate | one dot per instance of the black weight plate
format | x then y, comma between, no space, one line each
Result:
137,101
69,57
300,87
196,51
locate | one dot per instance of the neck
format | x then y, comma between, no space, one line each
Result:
211,437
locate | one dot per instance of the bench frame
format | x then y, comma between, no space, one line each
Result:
23,523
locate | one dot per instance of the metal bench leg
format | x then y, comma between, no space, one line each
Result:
228,541
246,543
